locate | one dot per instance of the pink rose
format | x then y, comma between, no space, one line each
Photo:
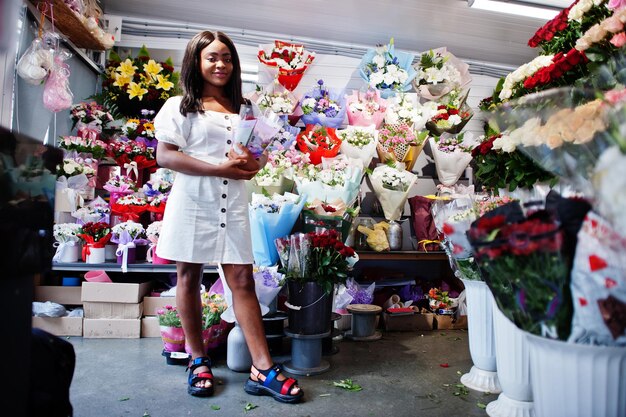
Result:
615,96
612,24
595,33
617,4
619,40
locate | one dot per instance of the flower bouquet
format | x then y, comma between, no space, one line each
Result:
90,119
287,62
271,218
153,231
140,130
276,98
391,187
95,236
366,108
95,211
128,235
399,143
334,178
67,242
452,154
359,142
438,73
138,83
405,108
335,215
214,328
129,207
319,142
171,327
276,177
119,185
440,302
323,106
267,284
387,70
449,118
156,206
133,156
79,174
83,145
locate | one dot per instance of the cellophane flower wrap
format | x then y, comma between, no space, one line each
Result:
83,145
335,215
94,235
359,142
127,235
406,108
271,218
286,61
267,284
319,142
366,108
132,156
438,73
129,207
141,129
360,294
520,259
400,143
65,235
387,70
335,178
276,177
97,210
90,119
451,116
275,97
452,154
599,284
391,187
119,185
323,106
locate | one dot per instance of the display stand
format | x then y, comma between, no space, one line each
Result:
306,354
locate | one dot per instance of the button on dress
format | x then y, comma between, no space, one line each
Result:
206,218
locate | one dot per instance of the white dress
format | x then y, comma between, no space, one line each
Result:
206,218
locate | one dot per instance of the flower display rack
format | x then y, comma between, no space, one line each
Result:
66,21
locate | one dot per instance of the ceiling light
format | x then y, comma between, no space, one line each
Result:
515,7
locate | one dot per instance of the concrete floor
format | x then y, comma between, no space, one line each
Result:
401,375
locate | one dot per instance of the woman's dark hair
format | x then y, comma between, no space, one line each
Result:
191,77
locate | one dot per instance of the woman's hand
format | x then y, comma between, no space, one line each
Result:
248,161
234,169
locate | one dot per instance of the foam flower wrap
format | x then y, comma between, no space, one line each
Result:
319,142
438,73
271,218
323,106
359,142
599,284
286,61
452,154
387,70
366,108
392,186
336,178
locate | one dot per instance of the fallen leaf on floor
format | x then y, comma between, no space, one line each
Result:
215,407
249,407
459,373
446,385
348,384
481,405
457,338
324,395
444,365
145,414
124,399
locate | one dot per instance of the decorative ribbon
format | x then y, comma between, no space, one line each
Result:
86,251
151,249
122,250
425,242
61,246
132,166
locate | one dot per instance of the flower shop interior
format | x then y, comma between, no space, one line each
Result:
426,230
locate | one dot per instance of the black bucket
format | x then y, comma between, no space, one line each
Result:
315,306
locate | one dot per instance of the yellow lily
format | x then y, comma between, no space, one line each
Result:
127,68
152,68
121,80
136,90
164,83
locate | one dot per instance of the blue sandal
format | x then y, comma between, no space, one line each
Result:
193,379
279,390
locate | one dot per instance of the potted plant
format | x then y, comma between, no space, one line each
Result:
96,236
172,332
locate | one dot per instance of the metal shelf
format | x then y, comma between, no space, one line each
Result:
115,267
402,256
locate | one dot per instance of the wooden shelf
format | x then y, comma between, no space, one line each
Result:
402,256
66,21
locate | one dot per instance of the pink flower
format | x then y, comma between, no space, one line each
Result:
619,40
617,4
615,96
612,24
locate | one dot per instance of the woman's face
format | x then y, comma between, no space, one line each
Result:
216,64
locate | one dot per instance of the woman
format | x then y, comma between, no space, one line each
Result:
206,217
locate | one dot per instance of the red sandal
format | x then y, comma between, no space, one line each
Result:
279,390
201,376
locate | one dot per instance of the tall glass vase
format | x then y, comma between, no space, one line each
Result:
482,377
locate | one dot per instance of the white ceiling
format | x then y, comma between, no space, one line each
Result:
416,25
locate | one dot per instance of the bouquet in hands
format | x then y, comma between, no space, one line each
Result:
323,106
387,70
391,187
287,62
366,108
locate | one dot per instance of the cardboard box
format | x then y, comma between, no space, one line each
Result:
95,310
450,322
150,327
60,326
407,322
58,294
152,304
115,292
112,328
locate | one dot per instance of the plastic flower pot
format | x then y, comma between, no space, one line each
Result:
173,338
310,308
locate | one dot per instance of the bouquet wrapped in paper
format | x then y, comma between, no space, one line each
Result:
274,97
400,143
387,70
335,178
451,116
129,207
599,284
119,185
276,177
267,284
438,73
65,236
366,108
406,108
323,106
127,235
334,215
257,128
359,142
319,142
391,186
271,218
452,154
95,211
286,61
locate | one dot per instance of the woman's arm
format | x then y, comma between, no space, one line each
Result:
168,156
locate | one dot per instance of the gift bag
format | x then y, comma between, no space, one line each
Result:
423,223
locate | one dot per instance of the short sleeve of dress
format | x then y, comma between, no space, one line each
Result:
170,126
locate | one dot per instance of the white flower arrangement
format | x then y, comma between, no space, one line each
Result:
578,10
132,200
355,136
384,70
395,180
523,72
71,167
134,229
154,230
280,102
273,203
66,232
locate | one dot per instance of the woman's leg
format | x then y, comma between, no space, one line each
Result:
248,314
189,306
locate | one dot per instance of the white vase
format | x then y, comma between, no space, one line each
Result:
574,380
513,363
483,376
96,256
69,254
